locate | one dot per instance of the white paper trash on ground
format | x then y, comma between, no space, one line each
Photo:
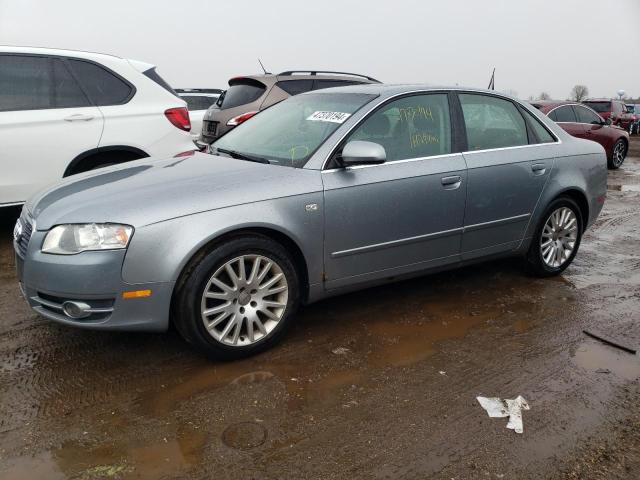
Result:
498,408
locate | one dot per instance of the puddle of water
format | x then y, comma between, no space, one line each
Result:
594,356
139,460
29,468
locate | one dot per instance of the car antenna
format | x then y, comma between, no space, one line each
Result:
492,82
263,69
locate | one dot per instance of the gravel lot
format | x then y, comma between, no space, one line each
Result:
376,384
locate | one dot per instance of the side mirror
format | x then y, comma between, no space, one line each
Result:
359,152
607,121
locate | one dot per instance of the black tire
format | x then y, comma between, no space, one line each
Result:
186,311
105,159
613,163
534,260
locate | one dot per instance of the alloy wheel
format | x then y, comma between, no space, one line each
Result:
244,300
618,154
559,236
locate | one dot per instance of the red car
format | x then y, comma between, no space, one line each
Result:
616,110
581,121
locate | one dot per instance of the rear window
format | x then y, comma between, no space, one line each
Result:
599,107
153,75
199,102
102,86
241,92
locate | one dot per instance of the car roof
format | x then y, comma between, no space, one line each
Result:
54,51
271,78
601,100
550,104
390,90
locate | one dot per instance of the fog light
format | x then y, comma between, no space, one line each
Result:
76,309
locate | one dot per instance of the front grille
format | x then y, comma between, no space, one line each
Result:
209,128
22,243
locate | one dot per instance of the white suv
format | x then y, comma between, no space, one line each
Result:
65,112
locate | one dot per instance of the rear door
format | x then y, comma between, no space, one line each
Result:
46,120
506,173
406,214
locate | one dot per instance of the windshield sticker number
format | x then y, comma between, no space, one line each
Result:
334,117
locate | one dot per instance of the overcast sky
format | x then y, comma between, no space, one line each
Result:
535,45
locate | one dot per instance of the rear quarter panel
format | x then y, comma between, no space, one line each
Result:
581,165
141,122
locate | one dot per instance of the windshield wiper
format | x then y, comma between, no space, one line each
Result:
242,156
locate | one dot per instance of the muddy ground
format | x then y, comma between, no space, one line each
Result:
377,384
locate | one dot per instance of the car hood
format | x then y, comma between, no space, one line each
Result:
150,191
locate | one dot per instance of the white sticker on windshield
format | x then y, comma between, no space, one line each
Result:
335,117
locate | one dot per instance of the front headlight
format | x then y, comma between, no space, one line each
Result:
76,238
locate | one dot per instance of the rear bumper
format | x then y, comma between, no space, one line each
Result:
94,278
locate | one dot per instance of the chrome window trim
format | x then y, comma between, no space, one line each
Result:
510,148
392,162
557,141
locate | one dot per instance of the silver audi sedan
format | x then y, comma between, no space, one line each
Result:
323,193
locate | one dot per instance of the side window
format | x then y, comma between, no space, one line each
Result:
26,83
564,114
492,122
586,116
103,87
319,84
294,87
411,127
542,134
66,91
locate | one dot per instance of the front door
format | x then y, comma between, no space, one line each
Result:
406,214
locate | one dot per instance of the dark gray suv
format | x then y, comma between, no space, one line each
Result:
248,95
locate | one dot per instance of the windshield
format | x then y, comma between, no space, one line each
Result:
599,107
290,132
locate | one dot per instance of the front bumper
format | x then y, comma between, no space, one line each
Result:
94,278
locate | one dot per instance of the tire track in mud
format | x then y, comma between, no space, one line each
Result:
47,371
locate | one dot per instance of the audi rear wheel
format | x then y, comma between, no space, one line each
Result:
557,238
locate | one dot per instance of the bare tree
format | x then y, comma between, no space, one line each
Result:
544,96
579,93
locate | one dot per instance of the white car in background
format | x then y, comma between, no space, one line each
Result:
64,112
198,101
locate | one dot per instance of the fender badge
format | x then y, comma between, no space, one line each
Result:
311,207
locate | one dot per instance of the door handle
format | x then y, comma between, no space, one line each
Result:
451,183
78,117
538,168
